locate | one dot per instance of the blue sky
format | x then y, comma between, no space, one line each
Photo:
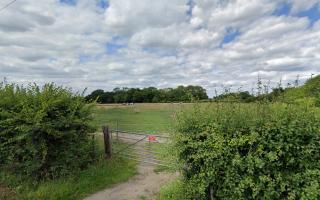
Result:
313,13
229,36
119,43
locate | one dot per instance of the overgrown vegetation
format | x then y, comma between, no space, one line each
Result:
249,151
46,151
307,93
44,131
72,187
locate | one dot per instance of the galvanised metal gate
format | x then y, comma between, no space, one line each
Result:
141,147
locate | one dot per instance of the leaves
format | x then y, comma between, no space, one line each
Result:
250,151
44,130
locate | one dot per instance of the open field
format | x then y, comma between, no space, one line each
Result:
145,117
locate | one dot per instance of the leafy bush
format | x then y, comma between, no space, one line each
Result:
43,130
234,151
317,100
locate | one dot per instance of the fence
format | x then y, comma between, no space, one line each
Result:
144,148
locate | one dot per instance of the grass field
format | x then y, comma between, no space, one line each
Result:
151,118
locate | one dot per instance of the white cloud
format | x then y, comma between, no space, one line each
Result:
162,44
127,17
298,5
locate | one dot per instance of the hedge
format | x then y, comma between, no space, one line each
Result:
44,131
236,151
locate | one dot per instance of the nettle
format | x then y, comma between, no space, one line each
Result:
44,130
233,151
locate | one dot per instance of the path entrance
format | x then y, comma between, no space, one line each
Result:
145,149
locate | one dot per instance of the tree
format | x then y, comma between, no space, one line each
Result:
149,95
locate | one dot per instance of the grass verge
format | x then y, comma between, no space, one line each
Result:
77,186
172,191
100,175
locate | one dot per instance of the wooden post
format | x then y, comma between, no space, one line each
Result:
117,130
211,192
107,142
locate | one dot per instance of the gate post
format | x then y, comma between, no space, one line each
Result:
117,130
107,142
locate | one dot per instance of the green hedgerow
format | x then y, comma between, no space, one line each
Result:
237,151
44,130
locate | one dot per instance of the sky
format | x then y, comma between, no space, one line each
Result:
140,43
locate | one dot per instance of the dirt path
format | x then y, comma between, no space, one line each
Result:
142,186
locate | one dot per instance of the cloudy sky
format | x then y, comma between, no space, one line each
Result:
137,43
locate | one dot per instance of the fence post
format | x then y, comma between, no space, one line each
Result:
107,142
211,192
117,130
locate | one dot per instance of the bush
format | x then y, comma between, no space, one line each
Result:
44,131
234,151
317,101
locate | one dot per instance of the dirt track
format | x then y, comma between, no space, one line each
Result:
142,186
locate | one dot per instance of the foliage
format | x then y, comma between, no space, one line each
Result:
309,90
149,95
312,86
317,101
251,151
44,131
244,97
173,191
290,94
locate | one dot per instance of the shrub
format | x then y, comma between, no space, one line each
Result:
317,100
234,151
43,130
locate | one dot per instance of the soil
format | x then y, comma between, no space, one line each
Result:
143,186
6,193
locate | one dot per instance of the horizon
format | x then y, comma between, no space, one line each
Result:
117,43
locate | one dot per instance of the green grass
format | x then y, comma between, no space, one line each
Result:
163,153
98,177
101,175
172,191
151,118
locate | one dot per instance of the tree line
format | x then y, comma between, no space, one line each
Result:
149,95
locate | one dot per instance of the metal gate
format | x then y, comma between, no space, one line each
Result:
145,148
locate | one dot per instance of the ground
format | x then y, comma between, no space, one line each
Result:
6,193
142,186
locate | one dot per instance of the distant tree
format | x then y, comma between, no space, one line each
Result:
244,97
149,95
96,95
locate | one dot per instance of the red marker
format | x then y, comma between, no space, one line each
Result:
152,138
